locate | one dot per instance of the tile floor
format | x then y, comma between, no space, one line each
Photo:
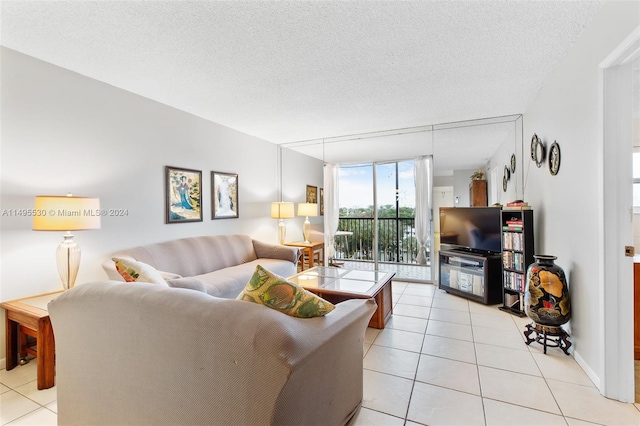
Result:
441,360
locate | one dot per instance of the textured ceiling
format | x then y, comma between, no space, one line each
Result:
291,71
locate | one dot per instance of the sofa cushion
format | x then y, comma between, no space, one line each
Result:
134,271
277,293
195,255
228,282
188,283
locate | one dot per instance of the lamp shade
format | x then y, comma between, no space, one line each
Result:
66,213
307,209
282,210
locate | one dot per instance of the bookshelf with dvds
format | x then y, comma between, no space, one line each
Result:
517,255
474,276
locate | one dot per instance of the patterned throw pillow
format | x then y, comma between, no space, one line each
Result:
273,291
132,270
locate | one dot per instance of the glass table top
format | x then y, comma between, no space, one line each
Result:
340,280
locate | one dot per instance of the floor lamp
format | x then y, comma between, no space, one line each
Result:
66,213
282,210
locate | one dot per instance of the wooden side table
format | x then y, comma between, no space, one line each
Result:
308,250
29,317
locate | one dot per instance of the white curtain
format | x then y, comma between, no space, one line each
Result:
423,173
331,207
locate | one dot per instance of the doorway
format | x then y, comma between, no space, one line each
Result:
616,117
635,71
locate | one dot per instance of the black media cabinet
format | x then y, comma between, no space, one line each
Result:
471,275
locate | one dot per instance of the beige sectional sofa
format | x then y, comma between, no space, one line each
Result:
146,354
219,265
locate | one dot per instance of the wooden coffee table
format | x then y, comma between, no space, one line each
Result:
337,285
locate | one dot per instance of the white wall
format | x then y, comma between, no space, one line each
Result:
298,171
62,132
461,181
501,158
566,216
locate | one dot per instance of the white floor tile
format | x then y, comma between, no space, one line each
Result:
499,322
517,360
586,403
451,330
576,422
370,335
448,315
502,414
398,285
518,389
386,393
486,309
411,311
505,338
392,361
444,347
398,322
365,349
3,388
53,406
433,405
13,406
447,373
20,375
420,290
409,299
367,417
42,397
400,339
562,368
40,417
457,303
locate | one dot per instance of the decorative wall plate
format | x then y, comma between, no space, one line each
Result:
507,173
534,142
504,184
540,153
554,158
513,163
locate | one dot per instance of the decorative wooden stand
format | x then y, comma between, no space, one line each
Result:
553,337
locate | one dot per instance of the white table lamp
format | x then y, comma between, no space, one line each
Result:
66,213
282,210
307,209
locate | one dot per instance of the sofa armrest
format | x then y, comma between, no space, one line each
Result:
272,251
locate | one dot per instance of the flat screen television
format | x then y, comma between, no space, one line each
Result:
473,229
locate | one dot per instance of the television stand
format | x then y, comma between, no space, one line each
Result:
474,276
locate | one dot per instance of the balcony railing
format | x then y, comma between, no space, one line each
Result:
396,240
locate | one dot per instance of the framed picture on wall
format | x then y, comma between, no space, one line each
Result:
321,201
312,194
183,195
224,195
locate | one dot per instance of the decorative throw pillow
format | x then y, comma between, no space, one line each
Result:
132,270
273,291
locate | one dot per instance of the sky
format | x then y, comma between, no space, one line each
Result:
356,184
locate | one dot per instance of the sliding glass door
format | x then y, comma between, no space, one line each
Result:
377,219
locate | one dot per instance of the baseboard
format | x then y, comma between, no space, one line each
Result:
592,375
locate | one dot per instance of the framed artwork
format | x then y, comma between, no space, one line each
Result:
321,201
312,194
183,195
224,195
